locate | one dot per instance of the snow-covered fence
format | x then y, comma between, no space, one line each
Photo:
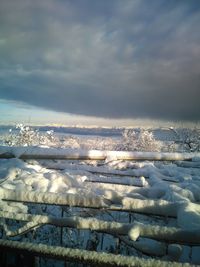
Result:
148,182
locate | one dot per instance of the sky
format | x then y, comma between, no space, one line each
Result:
99,60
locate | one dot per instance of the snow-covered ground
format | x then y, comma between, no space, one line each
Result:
144,208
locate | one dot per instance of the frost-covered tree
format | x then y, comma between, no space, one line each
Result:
188,139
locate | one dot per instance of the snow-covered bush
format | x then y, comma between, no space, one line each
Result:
22,136
48,138
27,136
71,142
147,142
139,141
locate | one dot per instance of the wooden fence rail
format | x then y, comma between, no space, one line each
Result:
61,153
90,257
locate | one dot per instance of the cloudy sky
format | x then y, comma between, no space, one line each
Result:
106,59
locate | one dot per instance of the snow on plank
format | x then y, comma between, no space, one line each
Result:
90,257
133,230
155,207
59,153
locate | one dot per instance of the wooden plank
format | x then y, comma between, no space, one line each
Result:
83,256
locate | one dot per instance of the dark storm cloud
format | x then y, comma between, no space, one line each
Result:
103,58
